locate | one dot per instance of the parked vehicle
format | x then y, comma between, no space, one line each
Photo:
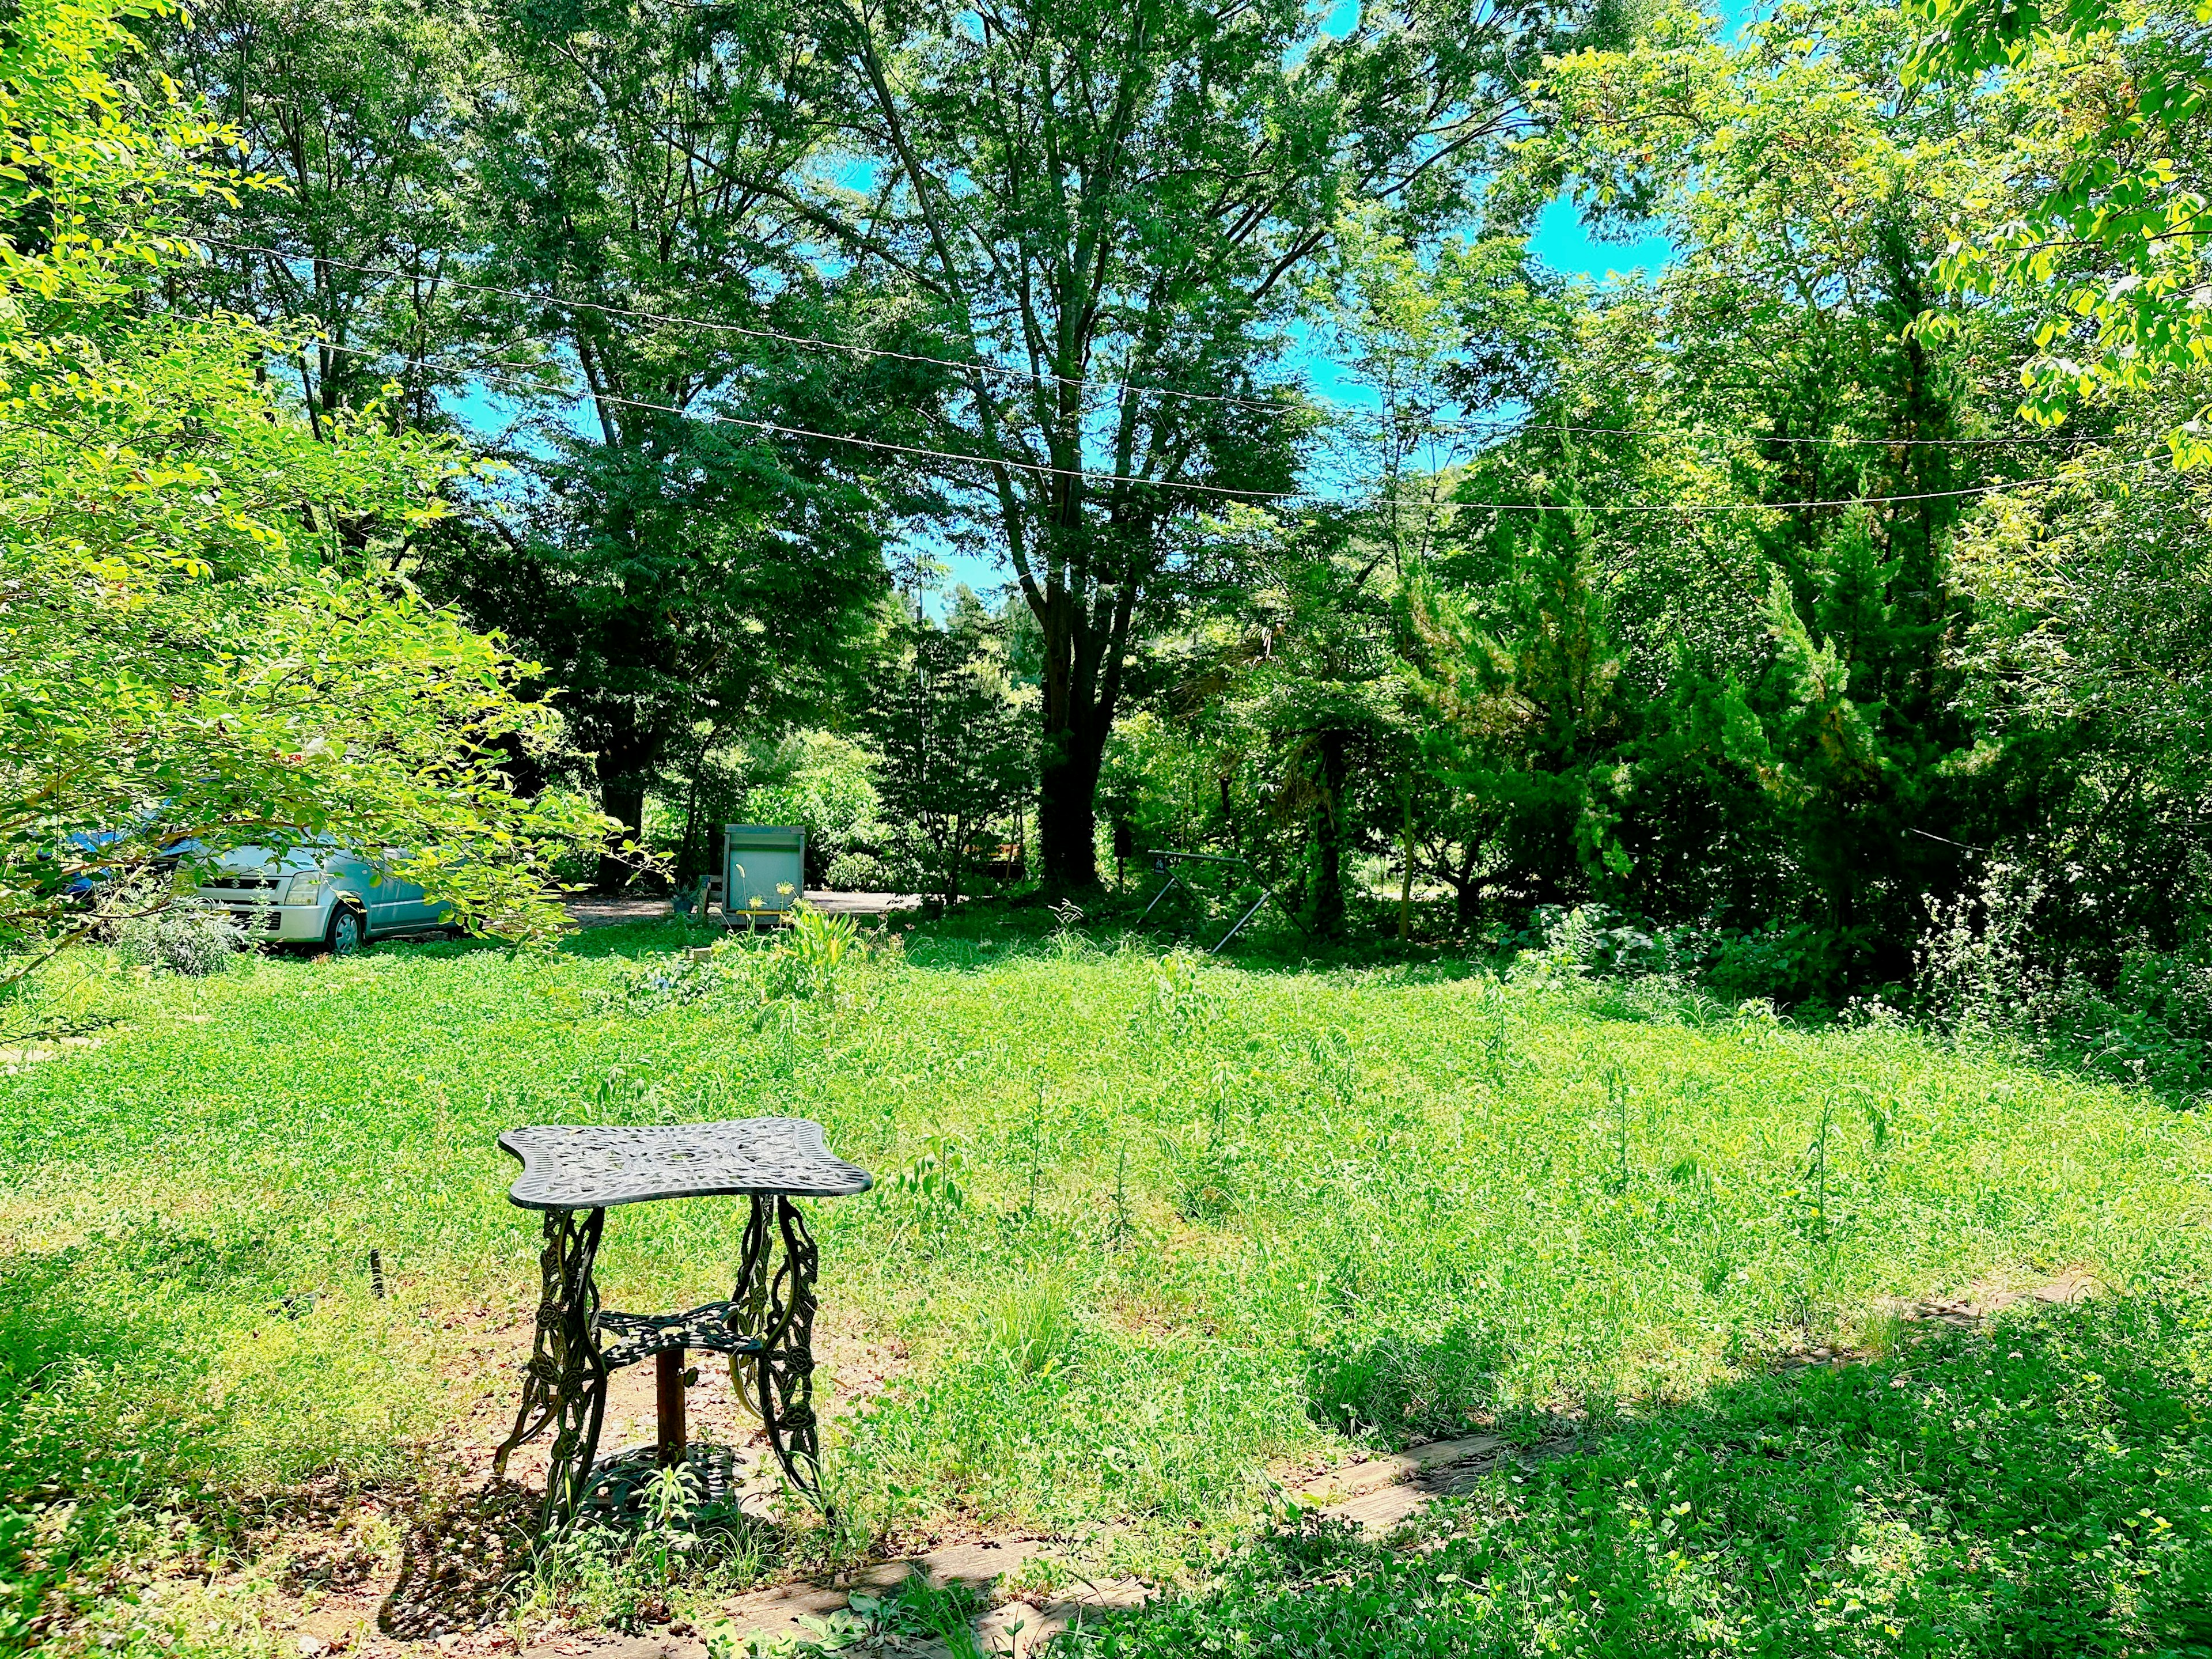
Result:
82,847
325,895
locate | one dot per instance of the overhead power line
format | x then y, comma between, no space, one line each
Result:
749,331
1085,475
1046,378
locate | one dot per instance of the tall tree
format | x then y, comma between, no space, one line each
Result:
1107,205
683,569
359,111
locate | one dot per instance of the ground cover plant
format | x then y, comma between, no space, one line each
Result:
2041,1487
1151,1232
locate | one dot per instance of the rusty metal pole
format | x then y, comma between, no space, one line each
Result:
668,1402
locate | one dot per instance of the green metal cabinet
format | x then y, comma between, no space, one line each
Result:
763,869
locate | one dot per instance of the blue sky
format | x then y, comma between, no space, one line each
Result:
1560,241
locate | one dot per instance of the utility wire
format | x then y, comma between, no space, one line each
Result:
1046,469
784,430
816,343
751,332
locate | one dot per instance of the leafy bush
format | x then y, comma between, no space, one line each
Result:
185,936
865,872
1393,1387
822,782
1588,941
1979,964
1786,963
2153,1028
1983,971
1789,963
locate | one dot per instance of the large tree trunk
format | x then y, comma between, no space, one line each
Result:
622,796
1067,792
1326,917
1082,678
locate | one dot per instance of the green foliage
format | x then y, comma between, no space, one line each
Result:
957,753
824,783
2112,243
863,872
624,1572
807,961
2041,1487
810,958
869,1622
932,1181
209,641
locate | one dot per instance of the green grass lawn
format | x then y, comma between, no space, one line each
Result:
1203,1222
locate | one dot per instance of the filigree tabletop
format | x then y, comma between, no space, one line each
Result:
590,1167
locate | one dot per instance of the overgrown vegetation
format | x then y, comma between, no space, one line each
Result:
1146,1228
2045,1486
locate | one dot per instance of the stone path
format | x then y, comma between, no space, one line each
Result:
1018,1629
1378,1494
1383,1491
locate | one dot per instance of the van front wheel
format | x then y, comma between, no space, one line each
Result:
348,932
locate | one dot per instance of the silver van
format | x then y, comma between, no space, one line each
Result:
323,895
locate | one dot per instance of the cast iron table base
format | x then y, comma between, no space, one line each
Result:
766,1327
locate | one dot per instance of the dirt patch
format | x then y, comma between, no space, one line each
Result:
1987,1296
377,1572
1381,1492
20,1057
486,1353
460,1558
613,912
1020,1627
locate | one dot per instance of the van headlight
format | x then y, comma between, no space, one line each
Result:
306,890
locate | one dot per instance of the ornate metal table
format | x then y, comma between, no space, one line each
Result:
575,1175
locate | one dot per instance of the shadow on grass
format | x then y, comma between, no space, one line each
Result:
72,1320
966,940
2041,1487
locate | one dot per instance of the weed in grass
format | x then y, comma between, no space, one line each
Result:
1335,1071
1493,1025
1615,1081
1881,1335
933,1183
1202,1173
1032,1325
1119,1228
633,1570
1343,1212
